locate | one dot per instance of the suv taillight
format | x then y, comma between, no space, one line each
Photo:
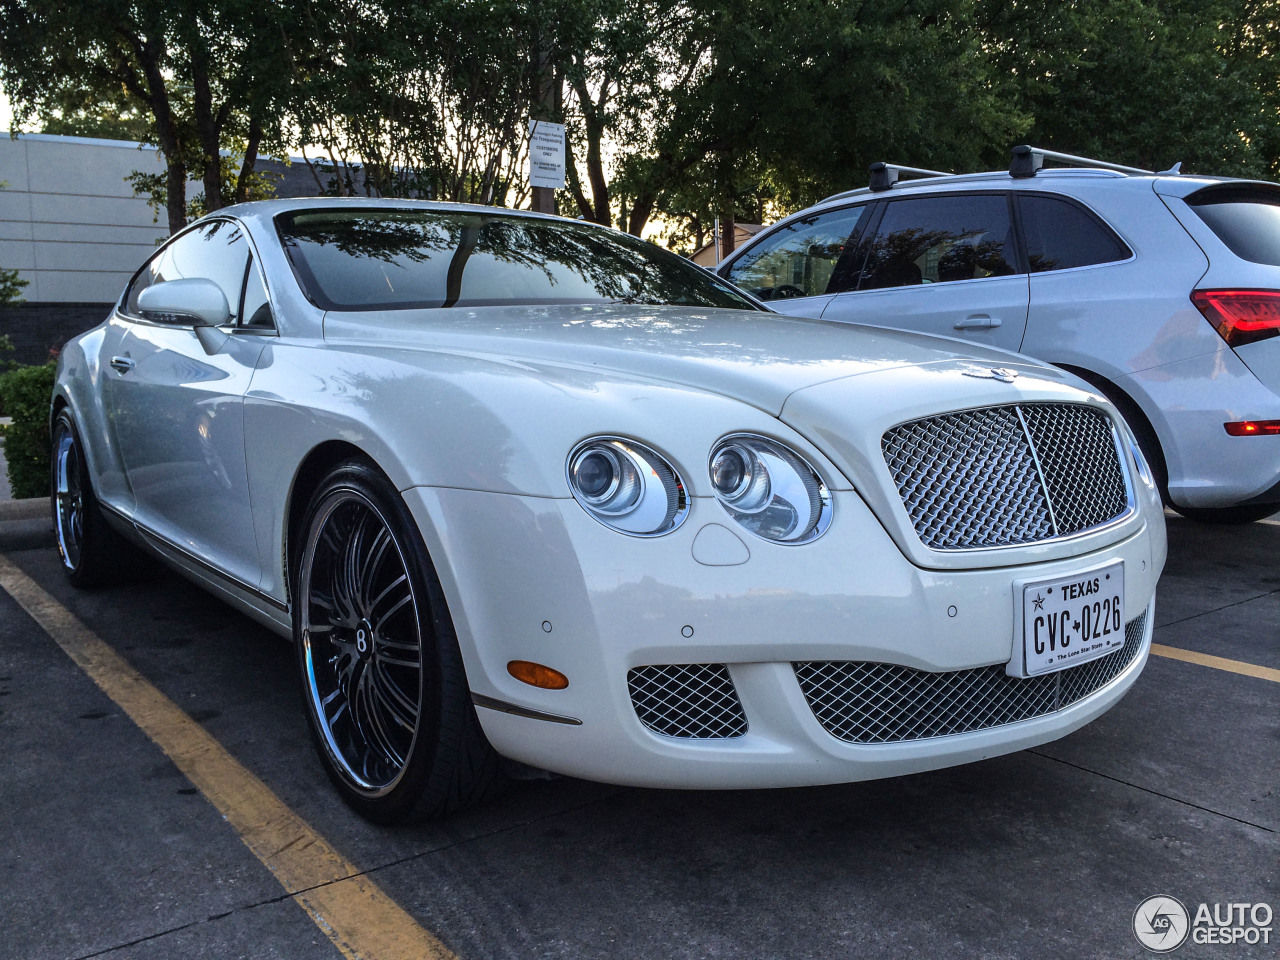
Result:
1241,316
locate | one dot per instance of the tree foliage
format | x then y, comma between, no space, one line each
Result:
205,73
1145,82
401,106
682,111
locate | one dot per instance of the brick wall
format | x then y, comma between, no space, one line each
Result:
34,328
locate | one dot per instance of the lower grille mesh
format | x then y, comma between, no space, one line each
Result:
692,701
884,703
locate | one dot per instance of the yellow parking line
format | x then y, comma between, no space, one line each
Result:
1218,663
361,920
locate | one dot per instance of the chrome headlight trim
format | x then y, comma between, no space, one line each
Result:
769,490
627,486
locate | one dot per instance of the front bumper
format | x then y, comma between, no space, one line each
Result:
537,579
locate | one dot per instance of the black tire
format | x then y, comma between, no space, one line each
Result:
383,683
1243,513
93,553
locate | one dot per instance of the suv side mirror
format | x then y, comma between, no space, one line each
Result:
198,302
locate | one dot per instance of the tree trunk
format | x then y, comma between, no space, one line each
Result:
726,232
575,185
150,88
250,159
176,197
601,203
208,130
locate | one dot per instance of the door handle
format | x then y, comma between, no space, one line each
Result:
979,321
121,364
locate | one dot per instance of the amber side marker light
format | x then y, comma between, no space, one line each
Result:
1253,428
536,675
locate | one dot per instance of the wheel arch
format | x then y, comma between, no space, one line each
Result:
1136,417
315,466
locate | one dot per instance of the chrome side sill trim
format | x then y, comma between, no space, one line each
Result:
204,565
480,700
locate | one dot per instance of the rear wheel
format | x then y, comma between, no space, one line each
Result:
386,695
1244,513
93,554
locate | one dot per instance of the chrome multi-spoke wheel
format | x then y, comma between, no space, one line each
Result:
68,494
382,675
362,642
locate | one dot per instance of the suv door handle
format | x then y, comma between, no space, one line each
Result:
979,321
122,364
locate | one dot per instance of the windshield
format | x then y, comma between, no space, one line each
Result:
391,259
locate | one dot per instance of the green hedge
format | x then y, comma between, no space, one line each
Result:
25,394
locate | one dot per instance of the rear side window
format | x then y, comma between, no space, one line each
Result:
940,240
1061,235
1247,221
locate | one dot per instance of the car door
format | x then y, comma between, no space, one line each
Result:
797,267
945,264
178,408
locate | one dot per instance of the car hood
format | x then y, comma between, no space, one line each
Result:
755,357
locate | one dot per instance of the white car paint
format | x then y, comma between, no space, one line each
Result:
471,413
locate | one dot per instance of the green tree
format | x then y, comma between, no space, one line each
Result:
755,105
206,73
1144,82
428,112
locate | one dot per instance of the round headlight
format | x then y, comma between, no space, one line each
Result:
627,486
769,489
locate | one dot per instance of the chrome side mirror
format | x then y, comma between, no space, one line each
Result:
198,302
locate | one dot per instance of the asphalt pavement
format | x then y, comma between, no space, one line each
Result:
110,850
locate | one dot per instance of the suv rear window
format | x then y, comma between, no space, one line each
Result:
1246,220
1061,235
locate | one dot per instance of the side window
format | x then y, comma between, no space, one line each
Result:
216,251
256,310
940,240
1061,235
798,260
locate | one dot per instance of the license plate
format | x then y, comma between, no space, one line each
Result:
1071,620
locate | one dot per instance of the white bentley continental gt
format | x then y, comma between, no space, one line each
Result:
527,492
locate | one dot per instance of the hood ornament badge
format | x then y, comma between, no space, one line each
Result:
1003,374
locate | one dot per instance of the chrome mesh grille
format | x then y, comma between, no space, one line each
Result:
884,703
1006,475
1068,436
695,701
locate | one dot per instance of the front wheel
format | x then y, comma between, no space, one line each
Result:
386,695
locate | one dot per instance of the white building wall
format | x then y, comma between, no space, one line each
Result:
69,222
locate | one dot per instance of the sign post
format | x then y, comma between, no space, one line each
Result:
546,163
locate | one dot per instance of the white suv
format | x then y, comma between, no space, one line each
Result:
1160,290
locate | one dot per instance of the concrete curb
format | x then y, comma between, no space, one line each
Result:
35,508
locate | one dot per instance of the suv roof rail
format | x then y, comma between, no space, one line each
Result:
1027,160
885,175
